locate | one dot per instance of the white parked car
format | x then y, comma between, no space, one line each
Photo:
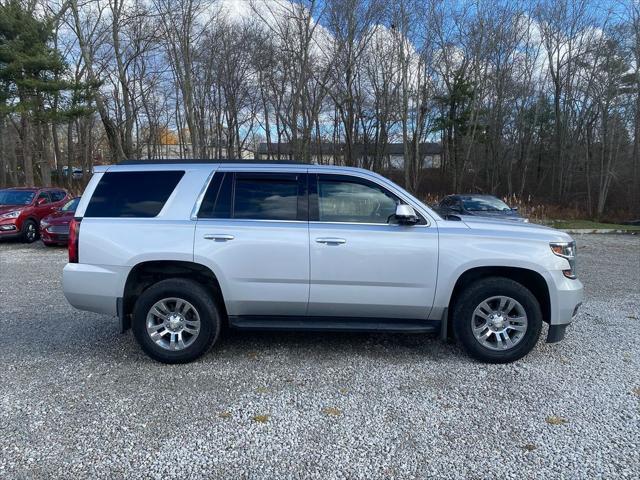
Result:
178,250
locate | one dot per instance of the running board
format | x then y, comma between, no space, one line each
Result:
334,324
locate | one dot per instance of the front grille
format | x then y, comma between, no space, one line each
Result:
59,229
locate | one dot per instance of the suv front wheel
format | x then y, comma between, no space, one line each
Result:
497,320
176,321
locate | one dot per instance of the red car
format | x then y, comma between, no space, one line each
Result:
21,210
54,229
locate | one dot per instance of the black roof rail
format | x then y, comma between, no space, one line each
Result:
165,161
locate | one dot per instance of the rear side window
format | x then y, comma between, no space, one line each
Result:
256,196
132,194
57,195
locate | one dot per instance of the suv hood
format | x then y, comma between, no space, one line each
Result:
11,208
517,228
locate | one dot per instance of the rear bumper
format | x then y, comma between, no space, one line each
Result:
94,288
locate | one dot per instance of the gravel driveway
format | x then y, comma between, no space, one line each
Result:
78,399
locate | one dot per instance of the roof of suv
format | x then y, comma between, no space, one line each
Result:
150,165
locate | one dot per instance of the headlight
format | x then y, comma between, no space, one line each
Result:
566,250
14,214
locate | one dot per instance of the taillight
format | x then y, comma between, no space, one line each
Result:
74,237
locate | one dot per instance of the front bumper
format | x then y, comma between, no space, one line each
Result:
9,229
566,297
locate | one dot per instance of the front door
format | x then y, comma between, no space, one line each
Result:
363,264
252,231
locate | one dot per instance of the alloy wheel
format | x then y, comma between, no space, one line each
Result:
499,323
173,323
31,232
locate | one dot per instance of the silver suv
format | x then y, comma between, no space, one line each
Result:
179,250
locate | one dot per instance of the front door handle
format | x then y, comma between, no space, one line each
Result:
331,240
218,237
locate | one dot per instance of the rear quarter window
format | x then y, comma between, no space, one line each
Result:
132,194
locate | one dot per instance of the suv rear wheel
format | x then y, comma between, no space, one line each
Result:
176,321
497,320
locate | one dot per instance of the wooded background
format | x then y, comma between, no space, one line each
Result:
537,99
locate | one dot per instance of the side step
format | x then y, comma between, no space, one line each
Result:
334,324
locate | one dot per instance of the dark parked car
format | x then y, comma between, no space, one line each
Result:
54,229
21,210
478,206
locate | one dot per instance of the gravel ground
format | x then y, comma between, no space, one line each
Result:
80,400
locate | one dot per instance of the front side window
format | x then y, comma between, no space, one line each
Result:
342,199
43,198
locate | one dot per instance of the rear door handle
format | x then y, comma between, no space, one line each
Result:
218,237
331,240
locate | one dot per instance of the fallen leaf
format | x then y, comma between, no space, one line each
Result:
636,391
529,447
332,411
224,415
344,391
262,389
554,420
253,355
261,418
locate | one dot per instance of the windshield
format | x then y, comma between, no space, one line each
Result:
16,197
484,204
71,205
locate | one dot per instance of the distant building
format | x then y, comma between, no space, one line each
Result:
329,153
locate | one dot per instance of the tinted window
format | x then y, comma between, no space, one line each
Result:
132,194
345,200
266,197
57,195
217,200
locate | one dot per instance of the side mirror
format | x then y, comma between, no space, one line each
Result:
406,215
41,201
456,208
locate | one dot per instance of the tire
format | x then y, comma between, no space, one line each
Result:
197,308
481,307
29,231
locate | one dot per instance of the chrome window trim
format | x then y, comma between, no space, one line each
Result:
369,224
200,198
245,220
307,170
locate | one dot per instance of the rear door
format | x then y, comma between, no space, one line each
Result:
363,264
253,232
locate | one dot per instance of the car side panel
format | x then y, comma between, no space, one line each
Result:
462,249
263,269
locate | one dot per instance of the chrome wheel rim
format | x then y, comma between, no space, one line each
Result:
31,232
499,323
173,323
